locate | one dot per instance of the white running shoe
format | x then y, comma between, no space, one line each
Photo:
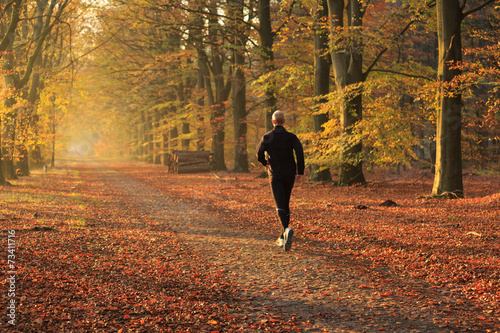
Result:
280,242
288,234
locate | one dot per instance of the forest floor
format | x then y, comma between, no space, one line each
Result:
116,246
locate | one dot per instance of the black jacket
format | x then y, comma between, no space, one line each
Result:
280,145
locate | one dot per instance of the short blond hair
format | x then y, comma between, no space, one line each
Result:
279,117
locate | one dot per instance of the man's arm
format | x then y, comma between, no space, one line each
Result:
299,155
261,152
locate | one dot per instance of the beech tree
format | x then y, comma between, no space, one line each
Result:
217,82
267,36
238,98
348,68
12,8
322,65
448,175
17,72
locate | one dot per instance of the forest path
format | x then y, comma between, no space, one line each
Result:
321,292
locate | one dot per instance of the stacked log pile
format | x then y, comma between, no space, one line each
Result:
189,161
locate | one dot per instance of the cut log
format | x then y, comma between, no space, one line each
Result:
189,161
186,154
194,168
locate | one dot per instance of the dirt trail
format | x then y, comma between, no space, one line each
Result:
324,292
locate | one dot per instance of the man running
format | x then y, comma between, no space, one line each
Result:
283,170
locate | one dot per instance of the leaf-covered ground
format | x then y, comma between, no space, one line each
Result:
117,246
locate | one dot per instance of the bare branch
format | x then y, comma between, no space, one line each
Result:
8,38
404,74
381,53
38,49
473,10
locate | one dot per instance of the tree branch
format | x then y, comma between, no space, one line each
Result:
429,4
205,13
403,74
73,61
7,7
38,49
14,20
285,22
473,10
381,53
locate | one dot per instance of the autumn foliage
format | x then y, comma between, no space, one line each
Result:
91,256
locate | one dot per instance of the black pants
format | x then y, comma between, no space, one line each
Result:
282,190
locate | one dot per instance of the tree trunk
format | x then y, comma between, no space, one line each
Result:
180,91
157,138
53,153
267,55
238,89
6,46
163,139
216,101
322,64
9,140
36,155
200,143
448,174
174,135
33,97
217,89
185,131
9,126
23,165
240,122
149,138
141,136
347,64
217,117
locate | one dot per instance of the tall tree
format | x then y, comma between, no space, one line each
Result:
238,99
448,178
16,78
9,30
13,8
267,36
322,64
347,59
33,94
348,48
217,83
